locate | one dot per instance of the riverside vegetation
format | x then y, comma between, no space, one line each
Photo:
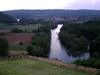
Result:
80,38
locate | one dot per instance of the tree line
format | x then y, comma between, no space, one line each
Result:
81,38
40,45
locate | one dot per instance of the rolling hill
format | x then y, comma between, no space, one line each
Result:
29,14
4,18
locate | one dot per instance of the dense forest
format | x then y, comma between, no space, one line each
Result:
81,38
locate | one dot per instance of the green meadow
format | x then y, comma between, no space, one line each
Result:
34,67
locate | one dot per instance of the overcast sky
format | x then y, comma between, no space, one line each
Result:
49,4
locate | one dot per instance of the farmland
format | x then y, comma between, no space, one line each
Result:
14,39
18,47
34,67
5,31
29,27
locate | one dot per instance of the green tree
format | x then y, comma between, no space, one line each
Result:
21,43
29,50
35,51
16,30
3,47
92,62
95,47
42,40
76,45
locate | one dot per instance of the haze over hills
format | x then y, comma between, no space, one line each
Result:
29,14
54,15
4,18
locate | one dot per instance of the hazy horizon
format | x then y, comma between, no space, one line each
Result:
49,4
48,9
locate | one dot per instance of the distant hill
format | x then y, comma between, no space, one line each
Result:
29,14
4,18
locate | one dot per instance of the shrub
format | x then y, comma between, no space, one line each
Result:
21,43
29,49
93,62
42,41
35,51
76,45
3,47
16,30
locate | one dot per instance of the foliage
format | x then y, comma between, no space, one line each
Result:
3,47
95,47
76,45
78,36
29,50
21,43
35,51
46,28
16,30
95,63
42,41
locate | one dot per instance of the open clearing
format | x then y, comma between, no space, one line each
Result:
34,67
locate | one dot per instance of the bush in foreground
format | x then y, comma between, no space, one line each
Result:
95,63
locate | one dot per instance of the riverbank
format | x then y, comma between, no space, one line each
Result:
59,52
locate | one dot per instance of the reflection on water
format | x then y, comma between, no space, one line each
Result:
57,51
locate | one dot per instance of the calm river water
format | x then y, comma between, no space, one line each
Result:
57,51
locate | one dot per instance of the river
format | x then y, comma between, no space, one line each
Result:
57,51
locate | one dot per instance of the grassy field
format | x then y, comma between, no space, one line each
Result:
29,27
18,47
34,67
